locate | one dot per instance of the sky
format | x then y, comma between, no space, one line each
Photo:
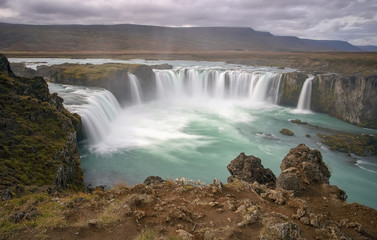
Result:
354,21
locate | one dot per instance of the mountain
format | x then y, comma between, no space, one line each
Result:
368,48
71,38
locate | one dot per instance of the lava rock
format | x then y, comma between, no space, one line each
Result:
6,195
250,169
151,180
287,132
302,166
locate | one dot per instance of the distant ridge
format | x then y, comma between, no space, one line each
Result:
71,38
368,48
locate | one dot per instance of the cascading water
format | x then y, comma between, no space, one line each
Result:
305,95
97,108
210,83
136,94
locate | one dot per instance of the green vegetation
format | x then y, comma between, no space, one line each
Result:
36,134
360,144
91,72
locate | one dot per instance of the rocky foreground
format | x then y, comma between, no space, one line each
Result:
254,204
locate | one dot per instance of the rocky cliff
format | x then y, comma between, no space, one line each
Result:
350,98
112,76
38,144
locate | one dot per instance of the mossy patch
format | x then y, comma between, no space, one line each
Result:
360,144
89,72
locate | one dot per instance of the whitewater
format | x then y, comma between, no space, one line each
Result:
204,115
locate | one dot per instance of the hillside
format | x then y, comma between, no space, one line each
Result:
70,38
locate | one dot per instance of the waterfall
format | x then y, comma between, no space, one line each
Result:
222,84
97,108
136,95
305,95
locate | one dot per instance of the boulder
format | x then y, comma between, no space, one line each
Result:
250,169
300,167
151,180
287,132
6,195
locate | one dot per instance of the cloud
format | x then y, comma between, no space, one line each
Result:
349,20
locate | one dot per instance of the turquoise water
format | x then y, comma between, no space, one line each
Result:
198,140
196,134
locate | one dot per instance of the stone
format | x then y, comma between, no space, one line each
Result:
287,132
152,180
300,167
17,217
184,235
285,230
290,181
6,195
250,169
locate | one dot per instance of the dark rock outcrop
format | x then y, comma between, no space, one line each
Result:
37,135
22,71
286,131
111,76
162,66
151,180
302,167
350,98
290,88
250,169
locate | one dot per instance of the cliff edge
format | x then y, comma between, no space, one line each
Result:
37,135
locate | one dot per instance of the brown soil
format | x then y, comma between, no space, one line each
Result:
215,211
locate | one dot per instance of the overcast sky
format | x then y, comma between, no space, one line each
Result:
350,20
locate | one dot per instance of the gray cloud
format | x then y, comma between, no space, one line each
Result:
350,20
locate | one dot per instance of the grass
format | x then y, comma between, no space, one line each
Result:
91,72
33,132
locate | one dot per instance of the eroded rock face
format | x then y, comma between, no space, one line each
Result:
38,140
350,98
113,77
250,169
300,167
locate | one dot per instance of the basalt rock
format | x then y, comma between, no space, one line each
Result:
250,169
286,131
302,167
111,76
38,143
350,98
151,180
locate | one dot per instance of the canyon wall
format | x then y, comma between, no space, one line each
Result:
349,98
